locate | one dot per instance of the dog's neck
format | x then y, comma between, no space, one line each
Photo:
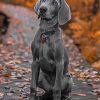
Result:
49,25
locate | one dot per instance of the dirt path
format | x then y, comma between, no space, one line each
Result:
16,86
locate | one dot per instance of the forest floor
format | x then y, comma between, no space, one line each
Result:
16,59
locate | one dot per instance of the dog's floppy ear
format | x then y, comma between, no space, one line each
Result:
64,14
37,5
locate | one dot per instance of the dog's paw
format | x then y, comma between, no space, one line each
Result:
40,92
66,97
56,94
32,96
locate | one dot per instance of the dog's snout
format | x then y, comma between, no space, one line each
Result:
43,9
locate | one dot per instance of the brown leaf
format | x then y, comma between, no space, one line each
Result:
75,26
98,98
10,41
89,53
96,65
21,30
1,95
79,94
1,67
96,86
1,80
8,74
18,61
97,91
12,67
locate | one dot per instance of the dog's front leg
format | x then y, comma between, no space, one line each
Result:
35,75
58,81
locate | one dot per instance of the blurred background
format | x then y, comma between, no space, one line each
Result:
84,28
18,25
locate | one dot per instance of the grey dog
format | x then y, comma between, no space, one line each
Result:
50,77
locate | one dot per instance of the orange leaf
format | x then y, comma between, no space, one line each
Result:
79,94
96,65
12,67
1,95
1,67
8,74
75,26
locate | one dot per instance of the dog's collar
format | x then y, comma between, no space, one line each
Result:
45,35
48,33
49,25
49,29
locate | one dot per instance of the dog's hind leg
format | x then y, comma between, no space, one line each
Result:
66,61
67,84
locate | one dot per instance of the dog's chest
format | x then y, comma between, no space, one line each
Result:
47,47
47,53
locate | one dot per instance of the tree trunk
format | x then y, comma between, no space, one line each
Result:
96,6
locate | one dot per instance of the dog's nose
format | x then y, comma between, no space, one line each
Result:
43,9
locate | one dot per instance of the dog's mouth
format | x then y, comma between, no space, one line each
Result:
43,17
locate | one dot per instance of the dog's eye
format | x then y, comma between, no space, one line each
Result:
54,2
43,0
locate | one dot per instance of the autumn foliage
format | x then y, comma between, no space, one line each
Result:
82,39
84,28
27,3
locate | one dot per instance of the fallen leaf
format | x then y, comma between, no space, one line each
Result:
75,26
79,94
98,98
96,86
1,67
18,61
96,91
1,80
12,67
9,94
1,95
96,65
21,30
8,74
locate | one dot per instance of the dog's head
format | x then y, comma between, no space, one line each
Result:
47,9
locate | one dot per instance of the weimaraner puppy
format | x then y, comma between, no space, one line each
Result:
50,77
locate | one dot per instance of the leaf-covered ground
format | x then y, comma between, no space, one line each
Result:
15,60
